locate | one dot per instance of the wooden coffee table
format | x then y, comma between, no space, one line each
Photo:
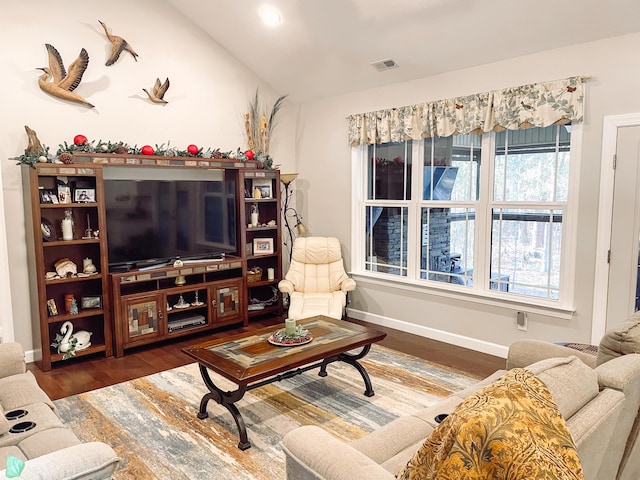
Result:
249,361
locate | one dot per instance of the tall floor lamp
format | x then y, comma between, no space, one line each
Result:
289,212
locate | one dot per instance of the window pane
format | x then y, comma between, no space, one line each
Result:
386,249
389,171
452,167
525,251
532,165
447,245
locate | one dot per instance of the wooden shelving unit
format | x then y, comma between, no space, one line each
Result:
49,249
262,295
111,324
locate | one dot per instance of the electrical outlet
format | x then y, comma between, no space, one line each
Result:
521,321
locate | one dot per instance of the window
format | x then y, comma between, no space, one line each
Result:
489,216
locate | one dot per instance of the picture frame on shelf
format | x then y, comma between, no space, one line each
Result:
263,185
64,194
84,195
263,246
52,307
48,196
91,302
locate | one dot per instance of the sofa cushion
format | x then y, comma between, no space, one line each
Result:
621,340
11,359
48,441
571,383
511,426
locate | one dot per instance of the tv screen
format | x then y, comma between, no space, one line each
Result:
152,221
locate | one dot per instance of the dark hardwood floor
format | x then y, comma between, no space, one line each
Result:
91,372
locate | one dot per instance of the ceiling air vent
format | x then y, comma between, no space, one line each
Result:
382,65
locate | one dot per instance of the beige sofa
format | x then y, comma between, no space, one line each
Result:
50,450
600,406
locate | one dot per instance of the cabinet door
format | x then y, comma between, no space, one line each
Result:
227,301
144,317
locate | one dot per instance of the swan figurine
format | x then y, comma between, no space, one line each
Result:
83,338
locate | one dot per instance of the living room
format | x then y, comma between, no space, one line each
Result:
211,91
208,98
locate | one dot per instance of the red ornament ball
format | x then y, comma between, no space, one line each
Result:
147,150
79,140
193,149
249,154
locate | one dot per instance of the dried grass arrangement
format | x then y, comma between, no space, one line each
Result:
259,126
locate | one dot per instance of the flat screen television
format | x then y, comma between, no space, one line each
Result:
156,215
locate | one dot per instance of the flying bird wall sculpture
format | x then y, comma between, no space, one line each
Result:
156,95
58,82
118,45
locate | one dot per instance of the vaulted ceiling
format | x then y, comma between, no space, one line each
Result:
326,47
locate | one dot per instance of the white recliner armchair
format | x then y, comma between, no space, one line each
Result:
316,282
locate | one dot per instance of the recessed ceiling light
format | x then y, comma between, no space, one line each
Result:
270,16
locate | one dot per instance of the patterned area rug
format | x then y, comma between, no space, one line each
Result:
151,422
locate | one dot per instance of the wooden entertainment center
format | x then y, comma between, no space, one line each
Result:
127,309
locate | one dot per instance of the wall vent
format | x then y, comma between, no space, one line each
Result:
382,65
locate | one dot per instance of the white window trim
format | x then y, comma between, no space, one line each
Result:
563,308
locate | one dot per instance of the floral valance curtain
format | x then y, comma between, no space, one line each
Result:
533,105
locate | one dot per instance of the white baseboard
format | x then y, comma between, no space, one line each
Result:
440,335
30,356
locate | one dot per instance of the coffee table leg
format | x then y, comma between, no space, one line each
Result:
227,400
351,360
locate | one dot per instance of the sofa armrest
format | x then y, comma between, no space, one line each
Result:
85,461
313,454
11,359
348,285
285,286
523,353
621,373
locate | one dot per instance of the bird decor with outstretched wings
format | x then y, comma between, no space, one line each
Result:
156,94
118,45
61,83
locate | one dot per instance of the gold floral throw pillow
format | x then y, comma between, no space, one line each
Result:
511,429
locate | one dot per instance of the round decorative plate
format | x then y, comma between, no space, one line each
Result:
48,231
291,342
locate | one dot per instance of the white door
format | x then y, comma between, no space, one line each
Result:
625,232
618,225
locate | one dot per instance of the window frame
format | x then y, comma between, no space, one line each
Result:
563,307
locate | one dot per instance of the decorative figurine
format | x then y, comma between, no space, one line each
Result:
64,83
197,302
181,303
69,343
156,95
88,266
118,45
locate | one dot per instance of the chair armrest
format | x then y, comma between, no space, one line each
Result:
312,453
348,285
523,353
85,461
285,286
11,359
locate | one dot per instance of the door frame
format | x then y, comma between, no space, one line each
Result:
610,127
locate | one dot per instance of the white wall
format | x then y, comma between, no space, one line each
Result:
208,97
324,156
